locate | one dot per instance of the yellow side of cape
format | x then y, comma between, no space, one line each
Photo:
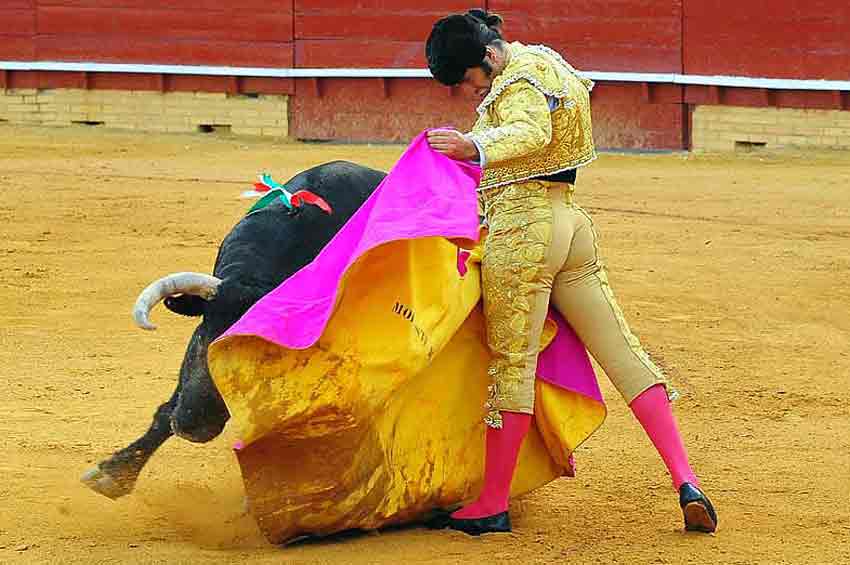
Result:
381,420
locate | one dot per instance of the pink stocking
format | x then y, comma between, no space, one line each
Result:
652,409
500,461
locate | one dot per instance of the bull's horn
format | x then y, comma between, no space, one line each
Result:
197,284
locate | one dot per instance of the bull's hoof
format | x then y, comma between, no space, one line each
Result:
102,483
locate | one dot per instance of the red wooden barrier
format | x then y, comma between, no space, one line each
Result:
17,26
195,5
601,35
375,110
367,33
398,109
182,24
353,53
116,49
194,32
773,38
768,38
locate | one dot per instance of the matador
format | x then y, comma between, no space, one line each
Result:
532,134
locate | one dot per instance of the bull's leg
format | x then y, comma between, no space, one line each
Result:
200,413
116,476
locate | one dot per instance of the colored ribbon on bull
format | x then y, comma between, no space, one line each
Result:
276,191
306,196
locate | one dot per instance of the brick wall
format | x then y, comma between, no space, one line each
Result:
726,128
264,115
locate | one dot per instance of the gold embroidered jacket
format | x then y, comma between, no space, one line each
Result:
520,136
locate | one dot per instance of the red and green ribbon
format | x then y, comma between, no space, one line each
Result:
278,192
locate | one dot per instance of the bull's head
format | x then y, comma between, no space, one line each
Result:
200,413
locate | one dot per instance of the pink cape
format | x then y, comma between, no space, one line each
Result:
426,194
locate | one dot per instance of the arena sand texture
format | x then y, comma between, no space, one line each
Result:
734,270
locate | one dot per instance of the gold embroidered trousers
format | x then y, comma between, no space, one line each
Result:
543,247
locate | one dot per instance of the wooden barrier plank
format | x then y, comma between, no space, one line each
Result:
16,47
403,20
22,79
228,25
265,85
781,39
19,4
600,35
163,51
281,6
374,27
359,53
17,22
441,7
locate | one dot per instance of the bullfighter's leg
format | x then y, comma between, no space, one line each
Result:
582,294
516,285
116,476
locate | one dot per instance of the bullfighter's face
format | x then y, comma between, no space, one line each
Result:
479,79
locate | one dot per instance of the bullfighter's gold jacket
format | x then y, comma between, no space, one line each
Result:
535,121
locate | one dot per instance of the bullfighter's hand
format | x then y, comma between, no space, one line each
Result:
452,144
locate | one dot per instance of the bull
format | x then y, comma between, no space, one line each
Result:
260,252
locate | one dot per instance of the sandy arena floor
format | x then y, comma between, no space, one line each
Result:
735,271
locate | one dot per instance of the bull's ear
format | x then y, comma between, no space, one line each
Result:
186,304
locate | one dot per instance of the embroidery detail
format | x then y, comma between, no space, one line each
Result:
560,94
524,125
515,154
531,176
493,418
513,273
531,79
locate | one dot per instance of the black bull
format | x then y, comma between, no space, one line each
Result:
261,251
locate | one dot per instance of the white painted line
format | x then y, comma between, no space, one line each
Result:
212,71
601,76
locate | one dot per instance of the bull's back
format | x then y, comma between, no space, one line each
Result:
271,244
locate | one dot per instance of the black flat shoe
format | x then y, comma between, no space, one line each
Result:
697,508
497,523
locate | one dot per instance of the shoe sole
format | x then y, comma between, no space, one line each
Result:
697,519
498,523
474,531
